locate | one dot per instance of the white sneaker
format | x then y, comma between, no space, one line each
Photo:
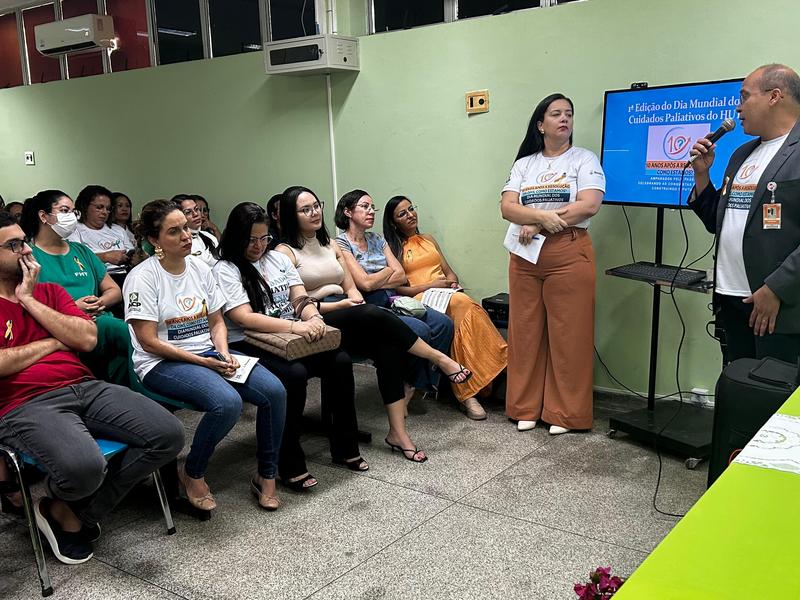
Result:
525,425
556,430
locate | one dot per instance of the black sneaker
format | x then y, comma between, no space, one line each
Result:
70,548
90,533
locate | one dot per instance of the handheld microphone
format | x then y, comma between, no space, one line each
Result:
727,126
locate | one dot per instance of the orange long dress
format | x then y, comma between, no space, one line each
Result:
476,344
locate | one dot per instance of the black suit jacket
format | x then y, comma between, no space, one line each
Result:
771,256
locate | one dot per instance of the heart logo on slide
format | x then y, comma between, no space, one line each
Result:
676,143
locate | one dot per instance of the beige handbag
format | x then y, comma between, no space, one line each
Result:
291,346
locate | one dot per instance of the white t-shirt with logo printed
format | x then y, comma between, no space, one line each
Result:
180,304
103,240
199,246
731,276
280,275
548,183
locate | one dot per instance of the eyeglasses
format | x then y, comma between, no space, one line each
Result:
745,96
264,239
100,207
405,212
65,211
368,207
16,246
191,211
314,208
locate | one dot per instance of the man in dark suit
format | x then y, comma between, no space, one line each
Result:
756,217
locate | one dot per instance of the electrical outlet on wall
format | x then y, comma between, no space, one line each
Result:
30,159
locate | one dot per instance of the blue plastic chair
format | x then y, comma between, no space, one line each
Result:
109,449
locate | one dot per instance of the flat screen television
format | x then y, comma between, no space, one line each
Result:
648,132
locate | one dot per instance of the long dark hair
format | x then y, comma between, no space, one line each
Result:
85,197
534,140
347,202
233,245
274,225
391,233
290,227
44,200
115,196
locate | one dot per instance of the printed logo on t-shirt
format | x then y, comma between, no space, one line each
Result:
9,330
109,245
551,186
133,301
183,328
81,272
187,303
743,188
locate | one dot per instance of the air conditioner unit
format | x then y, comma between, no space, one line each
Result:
312,55
86,33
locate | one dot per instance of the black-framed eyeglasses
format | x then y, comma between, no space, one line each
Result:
16,246
314,208
368,207
64,210
406,211
264,239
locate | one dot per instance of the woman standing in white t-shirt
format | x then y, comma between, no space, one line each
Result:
173,307
553,190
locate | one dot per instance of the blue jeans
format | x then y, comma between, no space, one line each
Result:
435,328
221,401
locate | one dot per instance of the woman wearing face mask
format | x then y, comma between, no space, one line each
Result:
48,219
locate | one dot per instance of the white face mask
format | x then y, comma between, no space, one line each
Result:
67,222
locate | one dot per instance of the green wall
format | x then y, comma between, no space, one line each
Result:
223,128
218,127
401,128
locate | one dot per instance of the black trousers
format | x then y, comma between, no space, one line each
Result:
381,336
733,316
335,370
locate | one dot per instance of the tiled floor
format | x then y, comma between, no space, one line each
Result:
494,513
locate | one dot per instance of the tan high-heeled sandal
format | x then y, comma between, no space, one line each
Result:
206,502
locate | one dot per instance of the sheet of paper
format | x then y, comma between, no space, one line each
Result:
439,298
529,252
775,446
246,364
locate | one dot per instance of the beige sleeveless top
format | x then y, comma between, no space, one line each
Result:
321,273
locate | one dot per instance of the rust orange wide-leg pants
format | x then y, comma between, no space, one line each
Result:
551,333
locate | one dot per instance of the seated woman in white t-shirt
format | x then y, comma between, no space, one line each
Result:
121,215
203,243
264,292
111,245
180,350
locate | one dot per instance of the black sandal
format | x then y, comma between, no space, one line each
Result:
414,452
356,464
463,371
300,484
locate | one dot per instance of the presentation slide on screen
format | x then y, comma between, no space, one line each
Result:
648,133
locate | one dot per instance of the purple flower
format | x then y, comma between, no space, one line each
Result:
586,592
